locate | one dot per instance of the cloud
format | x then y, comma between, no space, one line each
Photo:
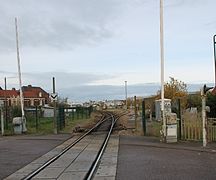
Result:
106,92
77,86
59,24
63,79
188,3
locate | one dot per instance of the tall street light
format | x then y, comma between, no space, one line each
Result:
20,80
162,67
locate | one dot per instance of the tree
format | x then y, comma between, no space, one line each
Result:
194,100
60,102
175,89
211,102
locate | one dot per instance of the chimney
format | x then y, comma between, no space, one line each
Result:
13,89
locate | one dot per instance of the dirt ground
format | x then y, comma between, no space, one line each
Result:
126,125
85,125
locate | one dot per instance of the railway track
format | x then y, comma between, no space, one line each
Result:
80,159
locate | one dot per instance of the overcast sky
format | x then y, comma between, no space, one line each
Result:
105,42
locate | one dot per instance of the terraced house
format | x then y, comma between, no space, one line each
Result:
33,96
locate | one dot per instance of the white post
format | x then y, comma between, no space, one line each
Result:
2,122
204,117
162,67
20,80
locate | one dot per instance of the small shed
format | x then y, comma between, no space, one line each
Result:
48,111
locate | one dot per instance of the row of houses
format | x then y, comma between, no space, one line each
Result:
33,96
36,96
107,104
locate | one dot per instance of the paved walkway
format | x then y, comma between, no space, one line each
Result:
147,158
18,151
138,157
74,163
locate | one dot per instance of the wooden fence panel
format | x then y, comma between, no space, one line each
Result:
192,127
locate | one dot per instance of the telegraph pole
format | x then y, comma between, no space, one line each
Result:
20,80
162,68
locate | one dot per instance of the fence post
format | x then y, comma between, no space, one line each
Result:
36,116
90,110
143,117
77,112
72,113
86,112
61,117
2,122
179,116
82,112
135,112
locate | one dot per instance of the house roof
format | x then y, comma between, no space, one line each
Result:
33,88
9,93
28,92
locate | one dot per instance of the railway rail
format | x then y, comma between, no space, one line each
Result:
100,132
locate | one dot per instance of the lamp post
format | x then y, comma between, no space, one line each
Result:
162,68
24,129
126,94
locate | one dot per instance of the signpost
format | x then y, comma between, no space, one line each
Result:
54,98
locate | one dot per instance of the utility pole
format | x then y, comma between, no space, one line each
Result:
20,80
162,68
126,94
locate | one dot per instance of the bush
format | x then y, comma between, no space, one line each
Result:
16,111
211,102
